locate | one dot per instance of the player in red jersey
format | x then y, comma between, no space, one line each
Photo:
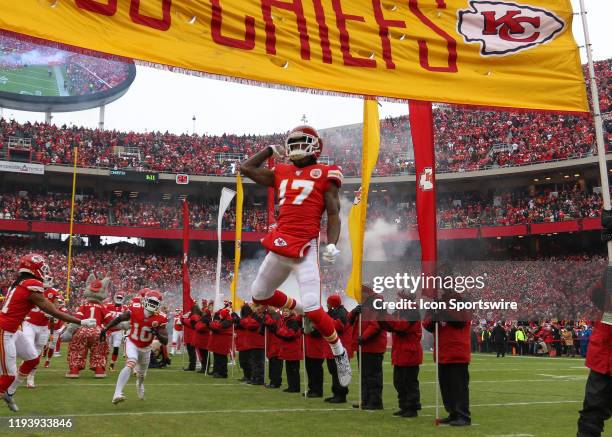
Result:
177,333
146,323
23,295
305,190
114,309
36,327
141,295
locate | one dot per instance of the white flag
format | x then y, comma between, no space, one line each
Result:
226,198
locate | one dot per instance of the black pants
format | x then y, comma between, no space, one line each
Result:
275,371
292,368
220,365
337,390
372,379
314,370
244,358
455,389
500,349
597,406
192,356
204,360
406,383
257,360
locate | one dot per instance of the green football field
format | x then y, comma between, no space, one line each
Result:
34,80
514,396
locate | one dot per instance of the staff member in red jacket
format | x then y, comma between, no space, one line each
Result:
251,328
291,352
597,406
317,350
454,358
406,357
273,346
189,321
201,338
339,314
220,342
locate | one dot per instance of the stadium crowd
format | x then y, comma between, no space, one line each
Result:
465,140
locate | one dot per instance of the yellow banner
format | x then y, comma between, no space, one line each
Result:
236,300
359,210
517,54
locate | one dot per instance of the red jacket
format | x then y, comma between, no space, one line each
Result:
454,340
374,338
273,345
345,332
201,335
317,347
599,353
220,337
188,331
406,337
248,334
290,334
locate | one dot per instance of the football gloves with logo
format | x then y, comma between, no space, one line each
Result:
89,323
278,151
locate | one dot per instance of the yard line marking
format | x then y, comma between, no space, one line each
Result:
287,410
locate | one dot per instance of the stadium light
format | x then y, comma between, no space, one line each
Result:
577,175
547,178
536,180
566,176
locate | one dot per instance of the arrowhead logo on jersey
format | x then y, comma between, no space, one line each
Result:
504,28
426,179
279,242
316,173
298,172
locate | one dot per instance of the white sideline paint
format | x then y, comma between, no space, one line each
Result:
286,410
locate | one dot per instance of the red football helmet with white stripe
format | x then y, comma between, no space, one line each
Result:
152,301
36,265
303,141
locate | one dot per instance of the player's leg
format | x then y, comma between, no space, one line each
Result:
40,340
144,356
131,352
309,280
115,340
25,349
272,273
8,367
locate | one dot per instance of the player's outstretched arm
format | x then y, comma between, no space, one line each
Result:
44,304
252,167
123,317
162,335
332,206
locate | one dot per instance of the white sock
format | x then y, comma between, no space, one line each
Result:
15,384
124,377
30,378
337,348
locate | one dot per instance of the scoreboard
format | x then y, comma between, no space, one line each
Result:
134,176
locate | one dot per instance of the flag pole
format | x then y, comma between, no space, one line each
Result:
437,385
360,368
305,371
74,173
601,149
265,352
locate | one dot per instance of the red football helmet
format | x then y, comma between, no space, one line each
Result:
152,301
143,292
303,141
37,266
119,298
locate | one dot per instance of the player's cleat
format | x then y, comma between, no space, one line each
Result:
112,367
47,364
344,369
140,390
100,373
118,399
57,354
73,373
10,403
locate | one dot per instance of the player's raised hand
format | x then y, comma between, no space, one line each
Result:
278,151
331,253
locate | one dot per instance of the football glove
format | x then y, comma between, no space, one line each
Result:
103,336
89,323
331,253
278,151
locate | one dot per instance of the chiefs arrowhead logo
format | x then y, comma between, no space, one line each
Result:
279,242
426,179
504,28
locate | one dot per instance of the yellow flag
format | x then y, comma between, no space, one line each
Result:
236,301
357,216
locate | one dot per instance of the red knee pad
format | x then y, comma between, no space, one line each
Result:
27,366
278,300
324,324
